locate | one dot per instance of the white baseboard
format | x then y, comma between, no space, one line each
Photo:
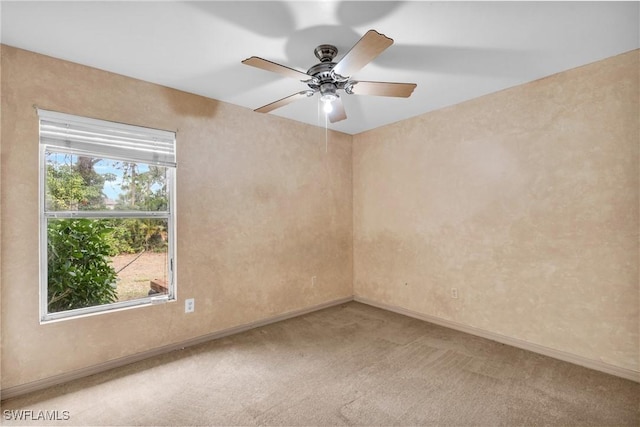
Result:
514,342
22,389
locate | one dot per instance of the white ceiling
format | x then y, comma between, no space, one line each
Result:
454,51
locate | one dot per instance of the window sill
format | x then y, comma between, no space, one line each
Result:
99,310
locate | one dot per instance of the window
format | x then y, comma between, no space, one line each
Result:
107,215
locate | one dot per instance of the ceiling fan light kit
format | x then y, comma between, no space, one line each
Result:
328,77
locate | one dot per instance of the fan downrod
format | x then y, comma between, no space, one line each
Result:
325,52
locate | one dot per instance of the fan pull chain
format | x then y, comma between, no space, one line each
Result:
326,132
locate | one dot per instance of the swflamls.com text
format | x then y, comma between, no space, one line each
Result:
31,415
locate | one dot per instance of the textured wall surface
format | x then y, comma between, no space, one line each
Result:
1,47
261,208
525,200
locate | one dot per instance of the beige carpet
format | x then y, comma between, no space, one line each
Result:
347,365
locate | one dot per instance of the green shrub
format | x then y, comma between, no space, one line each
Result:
119,237
135,235
78,266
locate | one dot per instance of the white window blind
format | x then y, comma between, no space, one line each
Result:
110,139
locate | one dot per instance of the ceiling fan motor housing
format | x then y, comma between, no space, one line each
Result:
324,80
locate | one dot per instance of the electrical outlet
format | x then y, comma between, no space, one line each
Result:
189,305
313,280
454,292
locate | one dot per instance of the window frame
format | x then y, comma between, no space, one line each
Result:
45,216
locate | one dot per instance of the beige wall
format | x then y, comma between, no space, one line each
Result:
261,208
1,244
525,200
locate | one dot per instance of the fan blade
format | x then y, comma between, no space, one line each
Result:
337,113
254,61
364,51
282,102
400,90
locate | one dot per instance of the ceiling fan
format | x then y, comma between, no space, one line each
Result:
327,77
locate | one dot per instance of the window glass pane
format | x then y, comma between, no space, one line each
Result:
101,261
81,183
